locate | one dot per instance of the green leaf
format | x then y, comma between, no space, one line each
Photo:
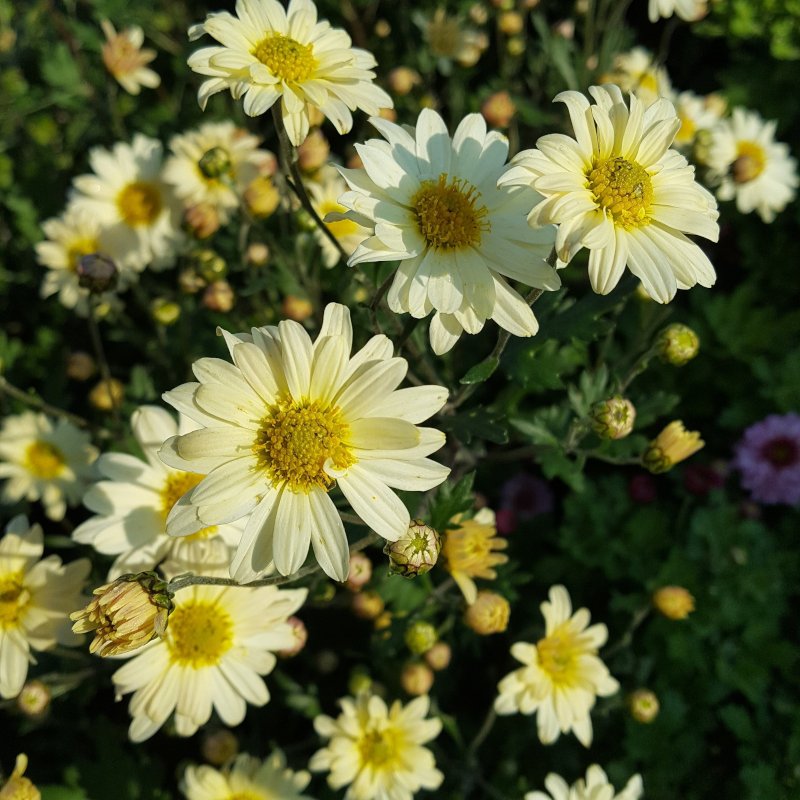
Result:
555,464
481,372
451,499
477,423
62,793
541,366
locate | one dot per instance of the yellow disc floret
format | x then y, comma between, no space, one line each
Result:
199,634
78,248
175,487
13,598
139,203
622,188
558,656
44,460
750,161
448,214
286,58
376,747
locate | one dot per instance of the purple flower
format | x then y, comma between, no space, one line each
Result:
768,456
525,496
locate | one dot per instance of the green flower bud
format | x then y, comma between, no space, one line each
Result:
420,637
678,344
215,163
415,552
613,418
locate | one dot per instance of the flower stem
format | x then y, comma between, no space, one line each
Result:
39,404
100,355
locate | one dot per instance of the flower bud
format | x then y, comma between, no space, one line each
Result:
643,705
420,637
415,552
672,445
219,747
382,29
18,787
80,366
125,614
209,264
478,13
367,605
360,571
360,681
498,109
488,614
190,282
219,296
402,80
34,699
202,220
297,308
261,197
165,312
515,46
438,657
674,602
383,621
97,273
257,254
300,634
677,344
510,23
107,394
613,418
416,678
215,163
313,152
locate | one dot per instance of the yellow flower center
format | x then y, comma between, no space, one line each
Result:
558,656
750,161
648,82
623,189
686,131
199,634
448,214
139,203
295,441
376,748
78,248
14,598
44,460
175,487
286,58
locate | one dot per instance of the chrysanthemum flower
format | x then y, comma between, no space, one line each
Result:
214,164
433,204
129,199
36,596
768,456
218,642
126,60
673,445
470,551
636,72
18,787
562,676
247,778
44,460
449,39
132,504
750,166
687,10
696,114
595,787
288,421
377,751
618,190
269,53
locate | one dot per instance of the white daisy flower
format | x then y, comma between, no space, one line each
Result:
132,505
219,641
70,237
562,676
269,53
215,164
44,460
377,751
128,198
687,10
249,778
618,190
36,597
324,192
126,60
695,114
288,421
750,166
595,787
433,204
637,73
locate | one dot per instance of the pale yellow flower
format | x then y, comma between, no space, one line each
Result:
673,445
126,60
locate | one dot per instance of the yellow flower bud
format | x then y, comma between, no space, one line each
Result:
219,747
360,681
643,705
613,418
18,787
498,109
510,23
678,344
257,254
415,552
420,637
34,699
219,296
382,29
297,308
107,395
438,657
672,445
488,614
674,602
201,220
367,605
383,621
164,311
125,614
416,678
515,46
261,197
402,80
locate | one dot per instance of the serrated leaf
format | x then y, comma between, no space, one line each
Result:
555,464
477,423
481,372
451,499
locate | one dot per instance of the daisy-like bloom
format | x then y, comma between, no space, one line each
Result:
36,596
324,193
218,642
696,114
44,460
129,199
433,203
18,787
768,457
450,40
637,73
750,166
470,551
288,421
70,237
562,676
673,445
687,10
377,751
126,60
247,778
269,53
132,503
215,164
618,190
595,787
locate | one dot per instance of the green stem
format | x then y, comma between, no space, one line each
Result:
638,618
100,355
39,404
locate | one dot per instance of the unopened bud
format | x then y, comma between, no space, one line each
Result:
478,13
678,344
257,254
165,312
125,614
314,151
643,705
34,699
202,220
107,395
415,552
383,621
261,197
215,163
80,366
420,637
382,29
18,787
360,571
190,282
300,634
219,296
438,657
359,682
97,273
488,614
674,602
297,308
565,29
672,445
498,109
219,747
209,264
367,605
515,46
510,23
613,418
416,678
402,80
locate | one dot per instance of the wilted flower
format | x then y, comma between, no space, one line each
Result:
678,344
672,445
126,60
488,614
643,705
125,614
420,636
416,678
613,418
415,552
674,602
